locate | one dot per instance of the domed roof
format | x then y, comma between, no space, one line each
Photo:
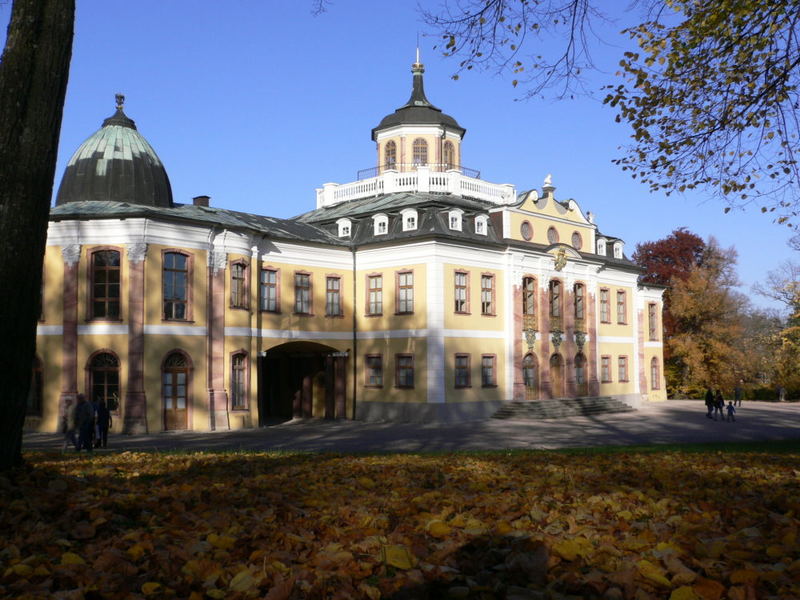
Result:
116,163
418,110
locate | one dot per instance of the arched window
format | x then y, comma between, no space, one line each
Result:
528,296
555,298
239,381
580,374
175,390
580,302
655,374
36,392
557,375
449,155
104,379
420,151
390,155
105,285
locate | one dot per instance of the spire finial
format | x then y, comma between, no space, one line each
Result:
120,101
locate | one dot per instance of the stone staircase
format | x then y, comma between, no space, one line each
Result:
558,408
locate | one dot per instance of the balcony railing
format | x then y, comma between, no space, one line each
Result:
405,167
422,179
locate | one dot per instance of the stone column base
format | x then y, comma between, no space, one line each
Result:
218,410
135,413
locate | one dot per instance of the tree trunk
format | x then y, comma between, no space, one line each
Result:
33,81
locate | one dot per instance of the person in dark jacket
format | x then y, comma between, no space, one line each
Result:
719,405
84,423
103,423
709,402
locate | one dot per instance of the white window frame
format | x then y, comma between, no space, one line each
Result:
601,246
454,219
407,215
345,227
380,221
617,249
482,225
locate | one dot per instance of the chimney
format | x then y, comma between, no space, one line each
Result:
201,200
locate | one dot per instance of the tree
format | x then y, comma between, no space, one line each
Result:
33,80
705,348
668,260
710,89
783,284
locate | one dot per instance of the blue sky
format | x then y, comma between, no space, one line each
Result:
258,103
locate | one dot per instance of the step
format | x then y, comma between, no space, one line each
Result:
561,407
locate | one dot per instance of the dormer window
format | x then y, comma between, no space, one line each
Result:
344,227
481,224
381,224
409,217
454,219
601,247
617,249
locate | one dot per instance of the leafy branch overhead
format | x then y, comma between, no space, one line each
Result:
709,90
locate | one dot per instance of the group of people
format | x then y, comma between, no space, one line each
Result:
85,424
715,404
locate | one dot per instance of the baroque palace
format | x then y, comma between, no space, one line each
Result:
418,292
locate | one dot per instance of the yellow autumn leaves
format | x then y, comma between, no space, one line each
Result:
683,526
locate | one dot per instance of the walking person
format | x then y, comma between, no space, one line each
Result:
731,412
84,423
68,425
738,393
103,424
709,402
719,404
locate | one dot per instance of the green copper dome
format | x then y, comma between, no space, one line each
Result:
116,163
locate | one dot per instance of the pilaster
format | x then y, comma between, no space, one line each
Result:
217,394
135,411
69,340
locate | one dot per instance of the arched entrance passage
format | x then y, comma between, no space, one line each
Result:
301,379
557,375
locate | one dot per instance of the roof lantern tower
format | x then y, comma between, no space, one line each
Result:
418,133
116,163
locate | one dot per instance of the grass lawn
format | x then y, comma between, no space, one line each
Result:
681,522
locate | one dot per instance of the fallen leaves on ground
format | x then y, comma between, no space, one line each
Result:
683,526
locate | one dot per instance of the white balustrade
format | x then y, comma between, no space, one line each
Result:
422,180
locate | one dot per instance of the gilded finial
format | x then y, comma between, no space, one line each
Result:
120,101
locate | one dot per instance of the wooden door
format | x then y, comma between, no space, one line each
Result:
174,393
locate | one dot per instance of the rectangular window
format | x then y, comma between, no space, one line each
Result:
555,299
405,293
622,363
302,293
605,309
176,286
487,294
238,382
605,369
528,296
461,292
462,375
488,370
375,295
268,295
239,285
105,303
580,310
621,308
333,297
652,322
404,370
374,370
